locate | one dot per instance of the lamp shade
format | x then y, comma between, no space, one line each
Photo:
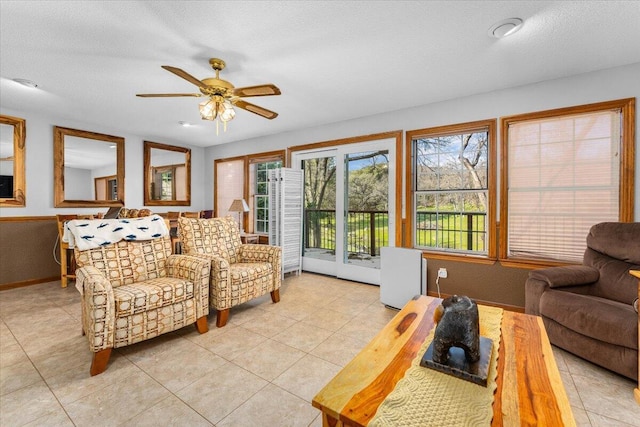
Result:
239,205
208,109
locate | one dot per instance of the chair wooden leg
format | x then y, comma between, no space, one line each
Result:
201,325
100,361
275,295
63,268
222,317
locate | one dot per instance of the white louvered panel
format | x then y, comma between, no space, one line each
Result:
274,211
291,225
285,216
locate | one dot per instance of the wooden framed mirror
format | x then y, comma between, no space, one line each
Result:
12,171
167,175
88,168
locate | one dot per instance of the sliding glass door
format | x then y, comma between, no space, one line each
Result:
349,208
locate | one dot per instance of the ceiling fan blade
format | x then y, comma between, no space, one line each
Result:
166,95
181,73
260,90
267,114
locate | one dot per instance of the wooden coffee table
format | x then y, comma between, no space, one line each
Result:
529,392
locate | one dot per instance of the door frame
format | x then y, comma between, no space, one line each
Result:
395,166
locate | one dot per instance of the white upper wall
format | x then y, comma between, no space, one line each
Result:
599,86
39,168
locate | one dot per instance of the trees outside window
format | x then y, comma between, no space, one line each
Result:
453,188
261,197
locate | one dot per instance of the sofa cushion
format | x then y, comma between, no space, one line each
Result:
614,282
247,271
127,262
216,236
602,319
151,294
616,239
248,280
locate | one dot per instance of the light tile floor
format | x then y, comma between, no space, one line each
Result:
262,369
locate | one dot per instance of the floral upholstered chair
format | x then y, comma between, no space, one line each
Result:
239,272
136,290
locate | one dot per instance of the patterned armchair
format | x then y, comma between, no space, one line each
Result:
239,272
136,290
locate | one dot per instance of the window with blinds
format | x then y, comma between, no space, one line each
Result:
229,185
244,177
563,175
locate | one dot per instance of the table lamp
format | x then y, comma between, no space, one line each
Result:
240,206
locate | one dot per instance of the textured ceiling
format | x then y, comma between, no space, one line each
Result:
332,60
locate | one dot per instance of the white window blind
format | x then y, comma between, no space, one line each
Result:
229,185
563,177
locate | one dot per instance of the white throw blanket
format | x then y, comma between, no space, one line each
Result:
94,233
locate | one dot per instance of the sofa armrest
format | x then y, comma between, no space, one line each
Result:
198,271
572,275
264,253
98,307
573,278
220,281
259,253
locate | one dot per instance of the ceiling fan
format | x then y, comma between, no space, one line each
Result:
223,96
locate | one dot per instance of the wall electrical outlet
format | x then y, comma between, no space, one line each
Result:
442,273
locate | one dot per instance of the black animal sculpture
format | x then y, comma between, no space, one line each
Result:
458,326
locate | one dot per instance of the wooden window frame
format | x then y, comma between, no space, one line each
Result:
458,128
247,160
627,167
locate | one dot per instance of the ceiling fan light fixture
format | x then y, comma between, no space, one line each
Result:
505,28
217,109
208,109
226,112
222,96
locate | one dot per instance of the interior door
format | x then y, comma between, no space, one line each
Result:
348,208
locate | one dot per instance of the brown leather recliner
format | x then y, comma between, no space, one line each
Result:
588,309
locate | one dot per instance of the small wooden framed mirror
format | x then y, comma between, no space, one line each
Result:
88,168
167,175
12,171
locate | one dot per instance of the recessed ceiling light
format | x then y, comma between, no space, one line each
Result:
505,28
184,124
27,83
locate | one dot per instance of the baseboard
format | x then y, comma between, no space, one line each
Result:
24,283
507,307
